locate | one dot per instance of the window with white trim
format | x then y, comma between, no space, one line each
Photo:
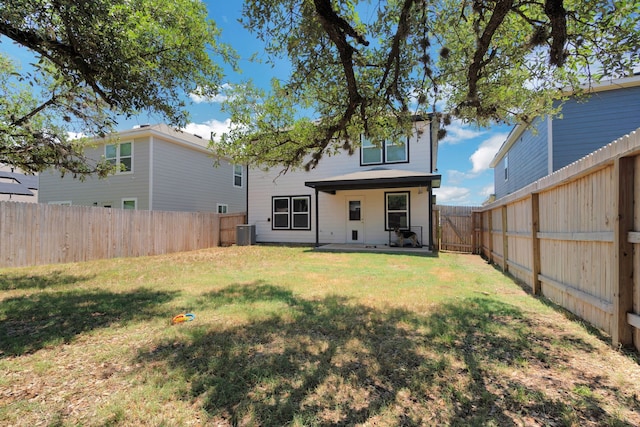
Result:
238,175
397,210
120,155
389,152
130,203
222,208
291,213
506,167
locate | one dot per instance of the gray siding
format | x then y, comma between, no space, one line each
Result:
100,192
528,160
594,122
188,180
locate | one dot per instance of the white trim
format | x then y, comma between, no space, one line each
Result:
233,170
220,205
549,144
129,199
118,156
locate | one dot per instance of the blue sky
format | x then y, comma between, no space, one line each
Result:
463,157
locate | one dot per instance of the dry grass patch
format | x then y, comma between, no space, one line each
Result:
288,336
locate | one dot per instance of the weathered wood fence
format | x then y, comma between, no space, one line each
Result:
456,228
32,234
573,237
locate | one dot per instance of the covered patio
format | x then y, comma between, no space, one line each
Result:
374,179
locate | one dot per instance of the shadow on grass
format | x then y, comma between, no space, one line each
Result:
32,322
54,279
331,362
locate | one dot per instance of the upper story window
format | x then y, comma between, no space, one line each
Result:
120,155
506,167
390,152
238,174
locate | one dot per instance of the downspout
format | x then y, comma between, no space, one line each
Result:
246,193
317,220
151,172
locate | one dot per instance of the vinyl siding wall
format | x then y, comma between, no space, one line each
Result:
527,160
201,189
101,192
333,208
589,124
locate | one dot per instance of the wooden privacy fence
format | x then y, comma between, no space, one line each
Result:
572,237
456,228
32,234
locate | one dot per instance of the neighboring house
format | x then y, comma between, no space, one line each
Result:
350,199
16,186
610,111
162,169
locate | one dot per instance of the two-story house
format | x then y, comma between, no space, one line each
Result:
350,199
610,111
160,169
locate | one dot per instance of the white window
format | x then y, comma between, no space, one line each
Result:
397,210
506,167
238,173
130,203
222,208
291,213
371,153
389,152
120,155
395,152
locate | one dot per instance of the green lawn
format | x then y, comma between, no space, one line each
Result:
289,336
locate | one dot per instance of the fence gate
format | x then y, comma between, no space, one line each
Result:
457,228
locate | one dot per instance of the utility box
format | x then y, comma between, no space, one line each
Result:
245,234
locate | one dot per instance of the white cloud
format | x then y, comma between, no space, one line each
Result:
459,132
452,195
486,151
456,177
216,99
76,135
205,129
487,191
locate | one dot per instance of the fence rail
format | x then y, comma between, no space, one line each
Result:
32,234
572,237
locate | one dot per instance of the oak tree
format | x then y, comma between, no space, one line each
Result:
96,61
368,68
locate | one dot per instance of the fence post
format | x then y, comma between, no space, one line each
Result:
505,239
535,243
624,171
490,243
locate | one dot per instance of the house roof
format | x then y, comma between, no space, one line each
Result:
602,86
374,179
17,183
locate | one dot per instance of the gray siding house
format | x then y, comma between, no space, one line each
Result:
16,186
611,111
162,170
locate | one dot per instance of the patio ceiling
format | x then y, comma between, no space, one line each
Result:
374,179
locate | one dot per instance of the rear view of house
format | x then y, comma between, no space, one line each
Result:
531,152
160,169
350,199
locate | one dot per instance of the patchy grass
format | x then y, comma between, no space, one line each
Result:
288,336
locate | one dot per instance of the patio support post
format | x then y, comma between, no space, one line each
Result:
430,218
317,217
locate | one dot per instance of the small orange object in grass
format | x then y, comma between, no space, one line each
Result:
185,317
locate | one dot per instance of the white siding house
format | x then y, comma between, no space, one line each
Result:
349,199
164,170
